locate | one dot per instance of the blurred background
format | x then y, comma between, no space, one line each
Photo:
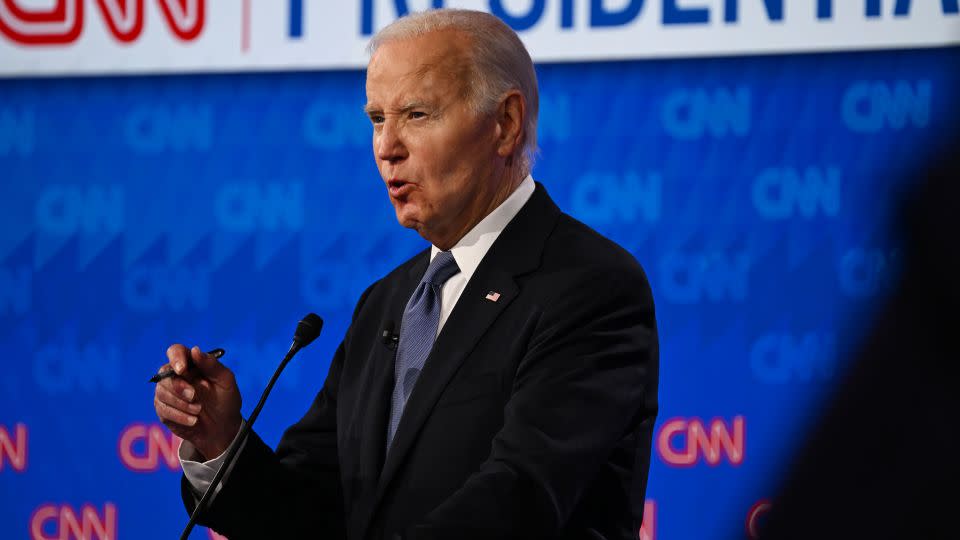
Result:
199,171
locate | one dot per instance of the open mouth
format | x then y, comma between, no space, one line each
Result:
398,187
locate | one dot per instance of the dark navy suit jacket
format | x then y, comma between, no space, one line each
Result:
532,418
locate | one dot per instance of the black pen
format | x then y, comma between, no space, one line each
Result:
216,353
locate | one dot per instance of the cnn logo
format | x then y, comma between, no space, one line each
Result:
62,522
145,447
13,448
63,22
684,442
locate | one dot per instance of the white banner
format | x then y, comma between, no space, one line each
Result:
56,37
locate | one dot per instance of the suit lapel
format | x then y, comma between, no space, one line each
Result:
516,251
383,365
373,432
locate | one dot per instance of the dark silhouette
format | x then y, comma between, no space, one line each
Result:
883,462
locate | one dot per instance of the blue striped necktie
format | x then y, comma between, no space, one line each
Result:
418,331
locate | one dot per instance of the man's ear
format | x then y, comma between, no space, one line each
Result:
510,119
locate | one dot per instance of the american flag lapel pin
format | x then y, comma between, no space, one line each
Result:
492,296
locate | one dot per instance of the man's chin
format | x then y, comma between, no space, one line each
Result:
407,220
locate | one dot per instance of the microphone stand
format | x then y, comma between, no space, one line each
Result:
299,342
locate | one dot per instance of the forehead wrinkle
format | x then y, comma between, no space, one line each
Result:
433,75
448,62
425,94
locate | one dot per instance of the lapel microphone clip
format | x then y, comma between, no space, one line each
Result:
388,337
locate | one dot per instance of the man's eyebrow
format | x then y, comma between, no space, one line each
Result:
409,106
414,105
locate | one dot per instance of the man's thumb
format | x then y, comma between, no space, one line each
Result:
210,367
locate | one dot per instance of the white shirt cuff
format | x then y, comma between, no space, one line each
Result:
200,474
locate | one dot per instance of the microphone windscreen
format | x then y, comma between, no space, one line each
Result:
308,329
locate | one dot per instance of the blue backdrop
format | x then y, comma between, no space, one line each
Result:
218,209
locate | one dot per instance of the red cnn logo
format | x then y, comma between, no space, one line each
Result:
753,518
143,447
53,522
63,23
14,449
700,441
648,531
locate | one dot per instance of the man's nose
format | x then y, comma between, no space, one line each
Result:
389,142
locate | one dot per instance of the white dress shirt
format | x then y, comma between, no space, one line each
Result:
468,253
471,249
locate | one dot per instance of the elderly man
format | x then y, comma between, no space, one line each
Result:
520,398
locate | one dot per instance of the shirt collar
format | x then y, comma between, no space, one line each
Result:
471,249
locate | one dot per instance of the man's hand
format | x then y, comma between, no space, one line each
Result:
200,405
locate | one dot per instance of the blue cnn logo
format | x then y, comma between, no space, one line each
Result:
873,106
334,284
66,210
70,367
691,278
600,198
249,207
152,288
866,272
782,193
783,358
17,131
16,288
689,114
246,360
180,128
334,125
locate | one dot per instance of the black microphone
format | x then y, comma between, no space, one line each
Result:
307,330
388,337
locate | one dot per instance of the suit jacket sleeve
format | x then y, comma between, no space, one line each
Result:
294,492
586,384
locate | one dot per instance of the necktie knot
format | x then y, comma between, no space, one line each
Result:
441,268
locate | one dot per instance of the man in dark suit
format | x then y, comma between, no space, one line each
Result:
520,399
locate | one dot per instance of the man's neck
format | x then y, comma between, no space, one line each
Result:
501,194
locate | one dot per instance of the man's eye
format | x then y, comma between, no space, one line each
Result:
418,114
376,118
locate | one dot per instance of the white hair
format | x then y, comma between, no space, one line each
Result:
500,63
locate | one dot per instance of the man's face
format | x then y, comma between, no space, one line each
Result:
437,157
